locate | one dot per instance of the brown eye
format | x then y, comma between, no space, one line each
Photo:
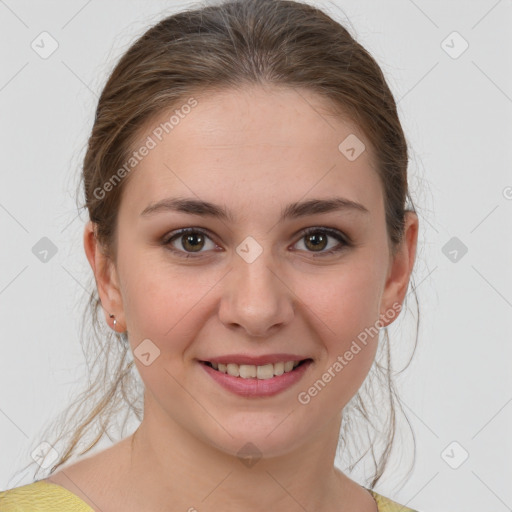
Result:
316,240
187,241
192,242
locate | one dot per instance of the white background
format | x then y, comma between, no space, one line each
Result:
457,115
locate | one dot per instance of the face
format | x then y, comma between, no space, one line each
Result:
267,279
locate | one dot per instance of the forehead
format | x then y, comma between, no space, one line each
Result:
255,141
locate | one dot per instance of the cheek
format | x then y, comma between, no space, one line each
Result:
162,302
160,306
346,300
344,308
156,303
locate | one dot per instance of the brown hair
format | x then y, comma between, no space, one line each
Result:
219,46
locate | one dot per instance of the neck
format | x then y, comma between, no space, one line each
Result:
170,465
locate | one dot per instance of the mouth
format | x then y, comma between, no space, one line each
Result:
257,381
257,372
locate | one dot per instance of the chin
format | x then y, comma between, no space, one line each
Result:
270,437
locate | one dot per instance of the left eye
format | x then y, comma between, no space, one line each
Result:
315,240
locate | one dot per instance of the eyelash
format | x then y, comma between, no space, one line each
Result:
334,233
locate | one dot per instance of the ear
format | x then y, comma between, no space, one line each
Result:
400,268
107,281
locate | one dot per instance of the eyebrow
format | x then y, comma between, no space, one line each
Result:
291,211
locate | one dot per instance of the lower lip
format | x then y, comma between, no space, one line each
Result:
257,387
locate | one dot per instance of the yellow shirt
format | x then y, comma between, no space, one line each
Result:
44,496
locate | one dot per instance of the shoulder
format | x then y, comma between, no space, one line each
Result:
79,487
43,497
386,505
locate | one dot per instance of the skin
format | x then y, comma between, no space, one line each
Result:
252,151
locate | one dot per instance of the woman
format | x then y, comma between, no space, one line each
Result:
246,182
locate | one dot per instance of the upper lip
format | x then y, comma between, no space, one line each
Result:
254,360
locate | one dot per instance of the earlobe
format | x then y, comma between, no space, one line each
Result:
400,269
105,276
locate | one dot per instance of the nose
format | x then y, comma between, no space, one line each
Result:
256,298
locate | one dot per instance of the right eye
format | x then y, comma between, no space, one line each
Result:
191,240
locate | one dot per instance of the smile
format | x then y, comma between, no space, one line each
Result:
251,371
257,381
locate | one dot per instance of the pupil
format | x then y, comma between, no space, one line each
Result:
317,240
192,241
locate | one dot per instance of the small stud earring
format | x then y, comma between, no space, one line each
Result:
123,335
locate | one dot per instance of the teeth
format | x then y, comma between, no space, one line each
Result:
250,371
265,372
278,368
233,369
247,371
288,366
